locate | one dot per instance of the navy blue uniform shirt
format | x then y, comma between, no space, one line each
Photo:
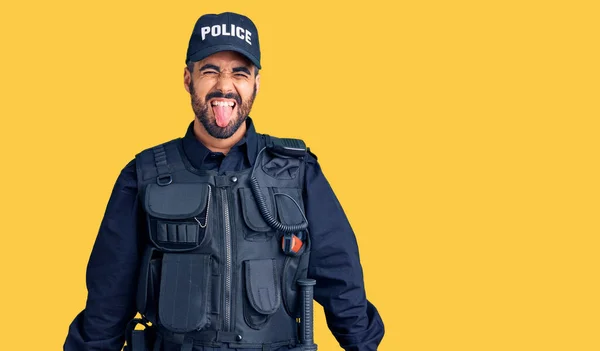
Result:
113,265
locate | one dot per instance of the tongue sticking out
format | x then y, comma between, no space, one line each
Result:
222,115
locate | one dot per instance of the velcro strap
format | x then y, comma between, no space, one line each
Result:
160,160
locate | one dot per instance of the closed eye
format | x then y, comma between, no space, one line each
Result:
209,69
241,71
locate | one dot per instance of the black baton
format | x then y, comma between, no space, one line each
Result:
306,328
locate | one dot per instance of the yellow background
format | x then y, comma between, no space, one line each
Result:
460,136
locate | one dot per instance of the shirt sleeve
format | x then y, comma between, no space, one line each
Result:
111,272
335,265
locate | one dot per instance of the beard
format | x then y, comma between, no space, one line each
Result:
210,124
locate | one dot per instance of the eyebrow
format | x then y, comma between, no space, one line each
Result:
209,66
241,69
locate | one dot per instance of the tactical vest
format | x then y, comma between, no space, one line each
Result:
215,270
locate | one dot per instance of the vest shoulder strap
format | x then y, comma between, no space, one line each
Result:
157,163
288,147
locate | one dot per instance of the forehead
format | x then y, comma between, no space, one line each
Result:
225,59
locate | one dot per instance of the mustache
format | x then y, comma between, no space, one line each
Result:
218,94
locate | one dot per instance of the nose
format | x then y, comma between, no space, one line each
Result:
225,83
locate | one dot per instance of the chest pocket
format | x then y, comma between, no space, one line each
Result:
281,204
178,215
255,228
286,200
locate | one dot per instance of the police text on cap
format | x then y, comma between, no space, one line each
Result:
221,29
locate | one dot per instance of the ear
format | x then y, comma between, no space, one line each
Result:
187,78
257,83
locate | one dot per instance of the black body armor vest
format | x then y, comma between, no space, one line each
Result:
214,270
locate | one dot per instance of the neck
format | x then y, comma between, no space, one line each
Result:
215,144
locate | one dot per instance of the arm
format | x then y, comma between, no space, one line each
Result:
111,273
335,265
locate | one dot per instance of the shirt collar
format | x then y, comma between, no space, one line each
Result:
196,152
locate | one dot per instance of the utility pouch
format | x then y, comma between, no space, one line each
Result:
263,291
178,215
184,299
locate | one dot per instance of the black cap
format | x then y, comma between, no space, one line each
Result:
225,31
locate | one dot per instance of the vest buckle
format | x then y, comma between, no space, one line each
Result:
164,179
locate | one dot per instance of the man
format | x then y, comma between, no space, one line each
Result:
208,236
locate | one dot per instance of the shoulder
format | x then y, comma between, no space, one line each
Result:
128,176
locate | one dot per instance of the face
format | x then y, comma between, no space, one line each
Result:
222,89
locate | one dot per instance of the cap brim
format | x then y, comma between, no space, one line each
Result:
224,47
